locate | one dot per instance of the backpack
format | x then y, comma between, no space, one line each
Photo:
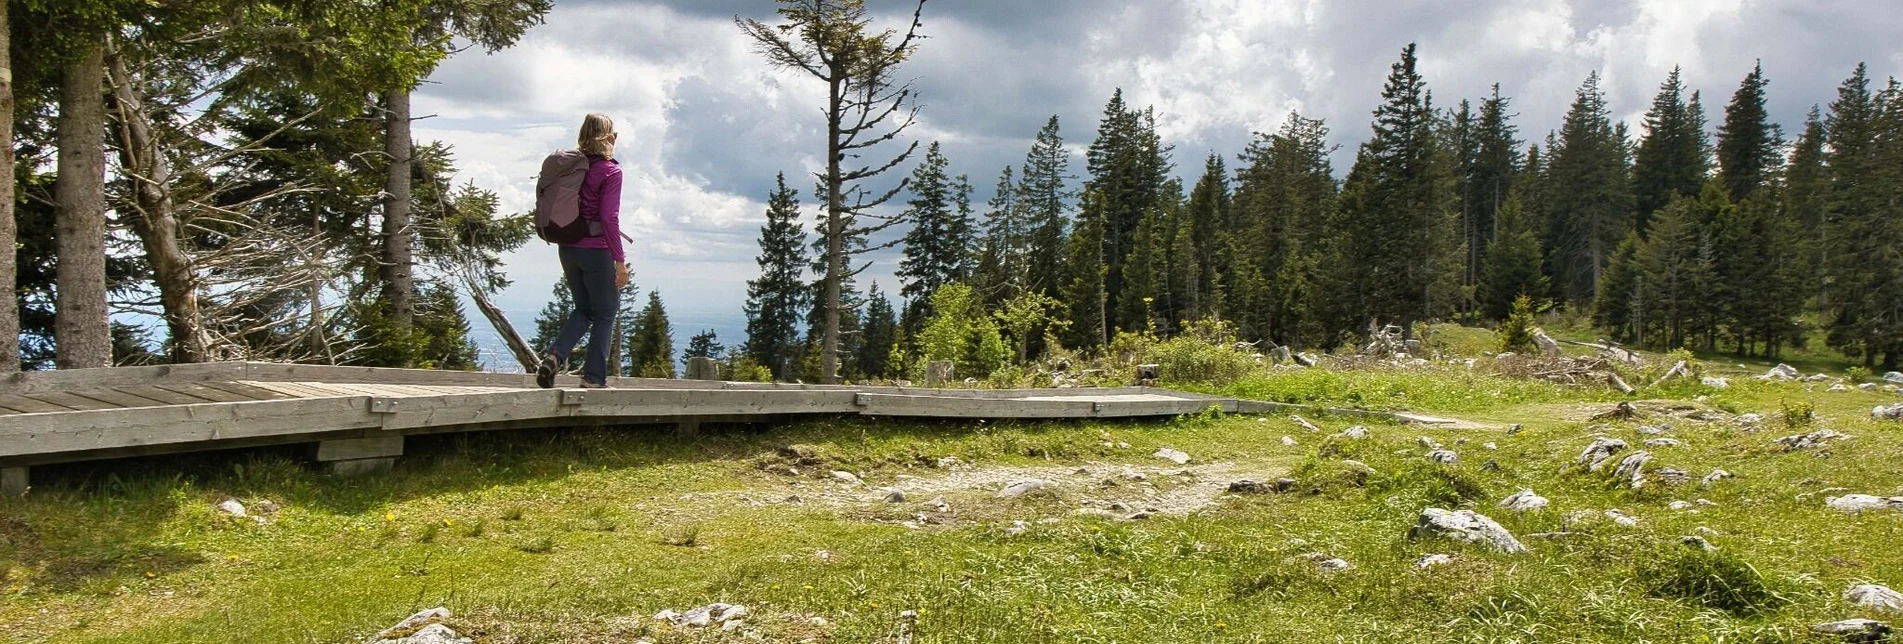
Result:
558,217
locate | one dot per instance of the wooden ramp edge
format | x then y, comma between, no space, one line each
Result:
361,413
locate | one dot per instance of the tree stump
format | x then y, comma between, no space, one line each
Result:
937,373
703,369
1147,374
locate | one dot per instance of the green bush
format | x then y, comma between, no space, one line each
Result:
1194,360
1516,334
960,331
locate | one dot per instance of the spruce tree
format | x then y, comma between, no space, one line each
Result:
1856,223
651,341
548,323
938,247
1747,141
1513,266
1000,267
1285,194
871,357
1085,268
1672,155
1490,176
1207,219
1395,231
1806,198
1129,168
777,298
1044,196
1674,274
705,344
1590,200
1618,308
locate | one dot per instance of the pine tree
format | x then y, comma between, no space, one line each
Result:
1589,199
1806,198
1198,276
1394,230
1672,156
1761,286
1856,222
1747,141
1674,273
1490,176
938,247
777,297
1285,194
1513,262
1000,268
1044,196
1129,168
705,344
1618,308
548,323
651,341
1085,269
872,356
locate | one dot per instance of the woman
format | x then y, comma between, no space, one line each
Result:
594,266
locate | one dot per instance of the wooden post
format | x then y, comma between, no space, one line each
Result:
703,369
937,373
354,456
13,480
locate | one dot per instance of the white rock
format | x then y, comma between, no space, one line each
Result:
847,478
420,618
1868,386
946,462
1855,503
1632,469
1838,387
1679,505
432,634
667,615
1855,630
1017,528
1427,443
1715,383
1692,541
1355,432
1172,455
1713,478
1020,488
1429,561
1875,597
1894,377
1466,526
232,507
1600,451
1622,518
1303,422
1524,501
1781,372
939,503
1706,502
1750,421
1491,446
1357,466
1890,412
1288,441
1807,441
1444,457
1664,442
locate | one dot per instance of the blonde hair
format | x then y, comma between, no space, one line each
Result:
597,135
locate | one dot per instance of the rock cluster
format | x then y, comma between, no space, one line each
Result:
1807,441
1600,451
727,616
1857,503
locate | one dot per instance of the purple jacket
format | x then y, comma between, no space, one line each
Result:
601,199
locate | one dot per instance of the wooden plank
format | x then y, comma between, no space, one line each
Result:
291,389
698,402
437,411
944,407
209,423
165,396
252,392
276,372
71,401
117,398
323,389
201,391
28,382
27,405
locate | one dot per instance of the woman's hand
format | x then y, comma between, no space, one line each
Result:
621,275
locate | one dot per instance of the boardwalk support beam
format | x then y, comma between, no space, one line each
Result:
353,456
13,480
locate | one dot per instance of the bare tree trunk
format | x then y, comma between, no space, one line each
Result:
614,353
80,328
399,263
835,231
156,219
523,353
9,232
319,346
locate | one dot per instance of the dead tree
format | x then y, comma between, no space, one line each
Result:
832,41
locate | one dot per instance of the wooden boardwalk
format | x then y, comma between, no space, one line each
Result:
357,416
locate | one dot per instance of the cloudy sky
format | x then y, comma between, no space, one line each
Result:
705,124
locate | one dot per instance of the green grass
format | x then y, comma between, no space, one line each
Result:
575,536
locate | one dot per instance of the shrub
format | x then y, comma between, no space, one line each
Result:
1718,580
1516,334
1195,360
960,331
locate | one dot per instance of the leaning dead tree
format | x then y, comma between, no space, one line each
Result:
866,106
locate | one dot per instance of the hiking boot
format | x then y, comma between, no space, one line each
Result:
594,385
545,372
